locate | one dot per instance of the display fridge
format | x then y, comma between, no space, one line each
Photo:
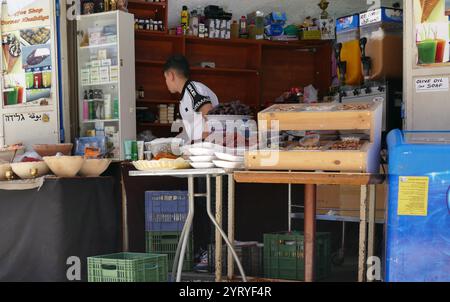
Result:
106,73
29,89
418,218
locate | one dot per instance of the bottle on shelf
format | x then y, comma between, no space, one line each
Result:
107,106
243,27
85,106
235,30
141,92
116,108
185,19
194,23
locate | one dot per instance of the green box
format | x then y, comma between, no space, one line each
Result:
284,256
128,267
167,243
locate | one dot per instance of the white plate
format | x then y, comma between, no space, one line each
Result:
228,165
201,151
202,159
229,157
202,165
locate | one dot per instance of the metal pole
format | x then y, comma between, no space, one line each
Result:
125,243
187,227
224,236
231,221
362,234
372,217
218,238
289,207
310,231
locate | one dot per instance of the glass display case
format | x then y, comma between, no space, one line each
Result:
106,80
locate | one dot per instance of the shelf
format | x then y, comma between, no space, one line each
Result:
145,5
156,102
101,84
105,121
99,46
153,33
154,125
224,70
150,62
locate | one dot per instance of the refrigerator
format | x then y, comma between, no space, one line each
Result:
29,85
106,81
417,247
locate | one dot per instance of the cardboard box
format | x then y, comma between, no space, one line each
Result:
345,200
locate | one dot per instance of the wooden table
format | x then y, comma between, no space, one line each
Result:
311,180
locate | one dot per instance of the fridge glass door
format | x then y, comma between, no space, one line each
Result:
98,67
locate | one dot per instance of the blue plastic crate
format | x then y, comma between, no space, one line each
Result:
166,211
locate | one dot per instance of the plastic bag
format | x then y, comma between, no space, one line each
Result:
310,94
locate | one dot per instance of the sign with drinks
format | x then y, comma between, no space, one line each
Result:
27,58
432,32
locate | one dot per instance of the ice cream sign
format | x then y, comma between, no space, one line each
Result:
432,84
34,15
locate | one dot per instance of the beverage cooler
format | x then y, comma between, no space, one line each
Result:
29,110
107,92
381,32
418,218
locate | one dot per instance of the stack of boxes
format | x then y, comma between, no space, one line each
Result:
165,215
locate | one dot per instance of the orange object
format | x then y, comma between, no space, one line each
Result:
91,152
351,53
440,50
165,155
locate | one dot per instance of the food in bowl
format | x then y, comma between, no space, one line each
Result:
53,149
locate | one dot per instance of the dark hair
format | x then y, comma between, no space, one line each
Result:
178,63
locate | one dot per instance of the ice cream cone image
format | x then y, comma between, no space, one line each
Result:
427,8
11,50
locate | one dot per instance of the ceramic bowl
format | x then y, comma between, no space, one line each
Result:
27,170
65,166
52,150
3,169
94,167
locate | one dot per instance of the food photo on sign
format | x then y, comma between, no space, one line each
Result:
432,31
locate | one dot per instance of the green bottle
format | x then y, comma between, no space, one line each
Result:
116,108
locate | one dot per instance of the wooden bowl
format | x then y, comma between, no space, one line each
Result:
94,167
64,166
26,170
3,169
52,150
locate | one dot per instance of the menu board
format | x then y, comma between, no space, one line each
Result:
432,32
27,58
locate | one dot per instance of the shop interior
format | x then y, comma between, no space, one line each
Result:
323,158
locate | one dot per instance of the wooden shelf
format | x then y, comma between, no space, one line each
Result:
154,125
150,62
156,102
146,33
224,70
145,5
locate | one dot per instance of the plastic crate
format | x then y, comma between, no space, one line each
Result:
166,211
128,267
284,256
167,243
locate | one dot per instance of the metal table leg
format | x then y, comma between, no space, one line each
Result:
362,234
125,242
224,236
371,219
231,200
310,231
218,238
181,248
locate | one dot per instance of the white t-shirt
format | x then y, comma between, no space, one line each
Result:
194,96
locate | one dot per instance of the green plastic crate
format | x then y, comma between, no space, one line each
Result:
166,243
284,256
128,267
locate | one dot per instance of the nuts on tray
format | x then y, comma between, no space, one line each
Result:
346,145
355,107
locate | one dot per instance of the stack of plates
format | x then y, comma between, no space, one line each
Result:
202,155
228,161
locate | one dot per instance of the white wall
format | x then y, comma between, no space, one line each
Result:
296,10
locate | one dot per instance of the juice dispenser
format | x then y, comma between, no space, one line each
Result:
348,52
381,32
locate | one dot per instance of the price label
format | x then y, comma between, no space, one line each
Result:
370,17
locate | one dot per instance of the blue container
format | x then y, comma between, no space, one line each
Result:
166,211
418,218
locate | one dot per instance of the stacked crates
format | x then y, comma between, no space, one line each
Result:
165,215
128,267
284,256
